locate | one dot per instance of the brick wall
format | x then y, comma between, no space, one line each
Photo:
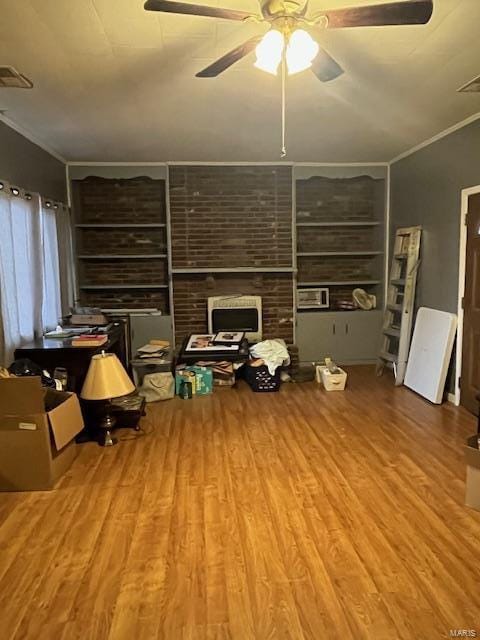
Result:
142,271
103,200
321,199
121,241
231,216
314,269
191,293
335,239
127,299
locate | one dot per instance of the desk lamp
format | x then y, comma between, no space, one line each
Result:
106,379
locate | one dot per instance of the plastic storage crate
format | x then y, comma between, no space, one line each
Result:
260,379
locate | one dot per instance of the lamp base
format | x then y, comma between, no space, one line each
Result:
107,424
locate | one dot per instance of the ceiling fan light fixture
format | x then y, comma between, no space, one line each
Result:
301,51
269,51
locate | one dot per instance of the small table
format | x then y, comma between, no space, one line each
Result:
190,357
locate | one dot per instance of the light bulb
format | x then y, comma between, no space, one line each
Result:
269,51
301,51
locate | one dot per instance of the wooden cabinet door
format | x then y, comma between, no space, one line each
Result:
316,335
362,333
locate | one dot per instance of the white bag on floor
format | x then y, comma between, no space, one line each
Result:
157,386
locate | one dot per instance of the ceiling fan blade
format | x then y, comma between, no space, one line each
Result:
378,15
195,10
325,67
229,58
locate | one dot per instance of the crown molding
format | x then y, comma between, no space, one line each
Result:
29,136
435,138
240,163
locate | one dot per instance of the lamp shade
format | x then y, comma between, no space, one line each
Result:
301,51
106,378
269,51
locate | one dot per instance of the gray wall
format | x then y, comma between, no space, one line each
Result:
25,164
426,189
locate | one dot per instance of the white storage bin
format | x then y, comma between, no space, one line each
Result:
331,381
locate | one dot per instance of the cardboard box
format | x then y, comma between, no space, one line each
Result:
37,431
472,458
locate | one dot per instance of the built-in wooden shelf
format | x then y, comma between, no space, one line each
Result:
123,286
121,225
305,254
235,270
334,310
125,256
339,224
133,310
337,283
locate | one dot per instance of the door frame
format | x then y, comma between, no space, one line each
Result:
462,261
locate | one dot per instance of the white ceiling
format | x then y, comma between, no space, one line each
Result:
116,83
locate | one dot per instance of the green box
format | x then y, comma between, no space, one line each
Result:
203,380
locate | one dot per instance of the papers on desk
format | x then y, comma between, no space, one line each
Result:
148,349
66,332
61,333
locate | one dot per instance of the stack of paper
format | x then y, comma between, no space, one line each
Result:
150,351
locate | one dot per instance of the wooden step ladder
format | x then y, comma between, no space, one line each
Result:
397,324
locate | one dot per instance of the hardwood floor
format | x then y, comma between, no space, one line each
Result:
298,514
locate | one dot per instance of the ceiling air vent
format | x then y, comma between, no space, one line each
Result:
11,79
473,86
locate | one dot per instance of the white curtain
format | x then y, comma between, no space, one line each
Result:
21,268
36,267
65,258
51,306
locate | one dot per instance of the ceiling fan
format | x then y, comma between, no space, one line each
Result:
288,39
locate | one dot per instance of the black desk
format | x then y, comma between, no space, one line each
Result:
49,353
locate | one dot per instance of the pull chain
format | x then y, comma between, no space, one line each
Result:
284,100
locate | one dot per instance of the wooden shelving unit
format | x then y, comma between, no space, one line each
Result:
340,236
121,234
340,246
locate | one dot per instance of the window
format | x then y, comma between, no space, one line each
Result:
29,269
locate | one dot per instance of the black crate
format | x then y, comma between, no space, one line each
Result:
261,380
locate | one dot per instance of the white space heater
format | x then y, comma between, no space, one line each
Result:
236,313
